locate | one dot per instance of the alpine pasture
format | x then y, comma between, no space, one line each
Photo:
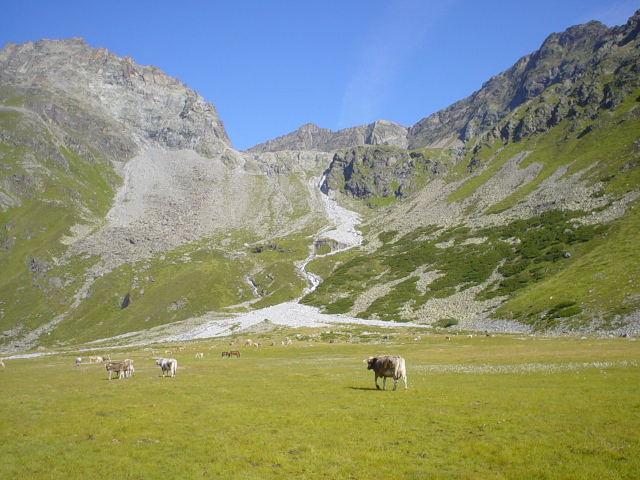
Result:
525,407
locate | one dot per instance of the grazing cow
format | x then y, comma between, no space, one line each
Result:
118,367
234,352
388,366
128,367
199,355
447,337
1,363
78,361
96,359
106,357
168,352
247,342
273,344
168,365
226,354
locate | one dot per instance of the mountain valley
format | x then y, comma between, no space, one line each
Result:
124,207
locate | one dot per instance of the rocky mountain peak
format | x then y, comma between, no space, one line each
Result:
312,137
158,109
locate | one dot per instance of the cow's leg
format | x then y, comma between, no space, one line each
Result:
376,382
395,383
384,383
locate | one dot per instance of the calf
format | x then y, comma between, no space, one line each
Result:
388,366
118,368
168,365
128,367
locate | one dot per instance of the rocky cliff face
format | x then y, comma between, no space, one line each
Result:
152,108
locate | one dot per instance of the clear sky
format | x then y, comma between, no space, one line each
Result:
271,66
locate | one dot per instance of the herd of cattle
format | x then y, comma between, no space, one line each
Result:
126,369
385,366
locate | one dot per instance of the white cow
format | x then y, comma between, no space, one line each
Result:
128,367
168,365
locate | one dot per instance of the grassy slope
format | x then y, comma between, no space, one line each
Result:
500,407
598,281
181,284
57,189
602,275
54,195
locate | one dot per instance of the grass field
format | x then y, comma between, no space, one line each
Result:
482,407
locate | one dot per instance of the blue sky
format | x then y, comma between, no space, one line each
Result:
272,66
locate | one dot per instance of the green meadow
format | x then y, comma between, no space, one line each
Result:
513,407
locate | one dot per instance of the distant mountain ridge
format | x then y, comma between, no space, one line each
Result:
311,137
562,58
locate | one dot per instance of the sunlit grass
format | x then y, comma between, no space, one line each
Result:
485,407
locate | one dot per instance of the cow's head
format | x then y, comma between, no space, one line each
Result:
369,361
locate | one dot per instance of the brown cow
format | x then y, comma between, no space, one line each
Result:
388,366
119,368
234,352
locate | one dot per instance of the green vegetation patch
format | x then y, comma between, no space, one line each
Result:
524,253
